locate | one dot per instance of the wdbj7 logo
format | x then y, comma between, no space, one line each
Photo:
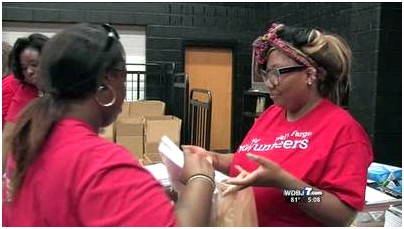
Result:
307,191
305,195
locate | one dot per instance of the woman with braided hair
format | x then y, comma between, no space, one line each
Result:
61,173
305,156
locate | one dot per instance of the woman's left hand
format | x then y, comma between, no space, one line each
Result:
267,174
271,174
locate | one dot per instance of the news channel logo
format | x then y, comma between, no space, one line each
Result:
305,195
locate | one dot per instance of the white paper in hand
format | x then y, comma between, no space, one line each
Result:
159,171
173,158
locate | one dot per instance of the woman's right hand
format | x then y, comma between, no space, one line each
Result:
196,163
220,162
200,151
193,208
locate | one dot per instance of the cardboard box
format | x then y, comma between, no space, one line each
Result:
130,126
152,158
130,134
151,147
125,110
147,108
108,132
133,143
156,127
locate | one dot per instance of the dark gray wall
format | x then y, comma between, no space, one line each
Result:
387,132
372,29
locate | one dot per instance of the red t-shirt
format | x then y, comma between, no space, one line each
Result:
23,96
9,86
326,148
80,179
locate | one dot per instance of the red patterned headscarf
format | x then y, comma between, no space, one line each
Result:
271,40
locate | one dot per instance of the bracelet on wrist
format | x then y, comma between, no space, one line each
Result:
204,177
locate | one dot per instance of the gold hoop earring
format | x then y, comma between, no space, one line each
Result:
102,87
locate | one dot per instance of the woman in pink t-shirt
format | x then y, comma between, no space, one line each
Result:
306,157
9,83
9,86
25,61
61,173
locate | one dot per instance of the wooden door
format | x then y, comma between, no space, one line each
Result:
211,69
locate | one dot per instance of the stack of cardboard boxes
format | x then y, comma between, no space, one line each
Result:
140,127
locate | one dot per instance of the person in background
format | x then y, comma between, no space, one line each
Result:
5,55
61,173
9,83
305,141
20,88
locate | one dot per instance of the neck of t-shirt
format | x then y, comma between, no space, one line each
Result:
307,108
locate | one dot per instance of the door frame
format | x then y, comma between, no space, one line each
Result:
227,44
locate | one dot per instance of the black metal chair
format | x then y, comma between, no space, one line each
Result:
200,117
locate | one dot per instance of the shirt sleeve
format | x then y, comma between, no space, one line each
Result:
345,174
14,107
123,194
22,98
9,89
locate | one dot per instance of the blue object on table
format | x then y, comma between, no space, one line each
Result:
378,173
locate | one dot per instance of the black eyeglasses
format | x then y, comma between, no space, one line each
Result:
111,33
277,72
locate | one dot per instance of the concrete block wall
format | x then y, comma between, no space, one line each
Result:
388,113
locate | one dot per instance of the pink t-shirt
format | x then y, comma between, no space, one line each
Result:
23,96
326,148
80,179
9,86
